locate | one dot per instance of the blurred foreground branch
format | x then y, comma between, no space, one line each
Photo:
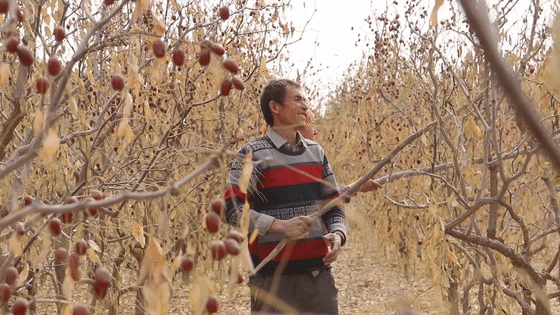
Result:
478,18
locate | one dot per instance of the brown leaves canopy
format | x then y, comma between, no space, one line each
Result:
472,200
142,146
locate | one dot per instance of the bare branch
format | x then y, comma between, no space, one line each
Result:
478,18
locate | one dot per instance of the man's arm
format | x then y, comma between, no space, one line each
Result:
235,201
334,240
368,186
294,227
235,198
335,219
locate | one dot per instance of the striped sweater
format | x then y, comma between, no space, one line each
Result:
277,191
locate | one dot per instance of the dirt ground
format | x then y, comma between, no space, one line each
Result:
368,283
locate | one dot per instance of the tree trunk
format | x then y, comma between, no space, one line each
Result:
453,298
493,216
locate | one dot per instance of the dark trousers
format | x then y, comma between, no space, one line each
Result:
303,293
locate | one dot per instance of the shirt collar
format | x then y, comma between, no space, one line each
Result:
279,141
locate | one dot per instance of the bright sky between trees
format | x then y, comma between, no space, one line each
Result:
329,42
329,38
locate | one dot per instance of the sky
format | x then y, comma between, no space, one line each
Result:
329,38
333,30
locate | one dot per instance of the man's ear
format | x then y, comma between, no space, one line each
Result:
274,106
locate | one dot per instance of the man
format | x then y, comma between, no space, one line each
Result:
291,179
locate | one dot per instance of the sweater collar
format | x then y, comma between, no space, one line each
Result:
279,141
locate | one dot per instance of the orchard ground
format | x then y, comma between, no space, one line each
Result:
369,282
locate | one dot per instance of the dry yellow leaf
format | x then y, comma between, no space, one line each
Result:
45,247
93,245
158,260
233,276
433,17
159,27
74,105
137,12
245,257
477,132
33,254
138,233
128,133
469,125
51,144
263,70
163,297
135,81
93,256
175,6
67,309
155,70
246,172
122,127
199,295
245,218
4,73
452,258
37,121
191,247
127,106
151,299
163,222
253,235
67,286
144,270
215,70
15,246
46,17
145,4
148,112
194,298
23,275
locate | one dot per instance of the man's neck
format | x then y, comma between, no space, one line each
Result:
288,133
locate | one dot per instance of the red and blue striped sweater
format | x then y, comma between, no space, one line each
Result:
276,191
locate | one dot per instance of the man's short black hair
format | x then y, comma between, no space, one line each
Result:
274,91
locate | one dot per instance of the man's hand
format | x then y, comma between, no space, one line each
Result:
334,242
292,228
370,185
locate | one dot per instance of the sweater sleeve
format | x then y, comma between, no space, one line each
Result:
235,199
344,190
335,219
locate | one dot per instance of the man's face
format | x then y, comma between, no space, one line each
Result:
309,131
294,110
